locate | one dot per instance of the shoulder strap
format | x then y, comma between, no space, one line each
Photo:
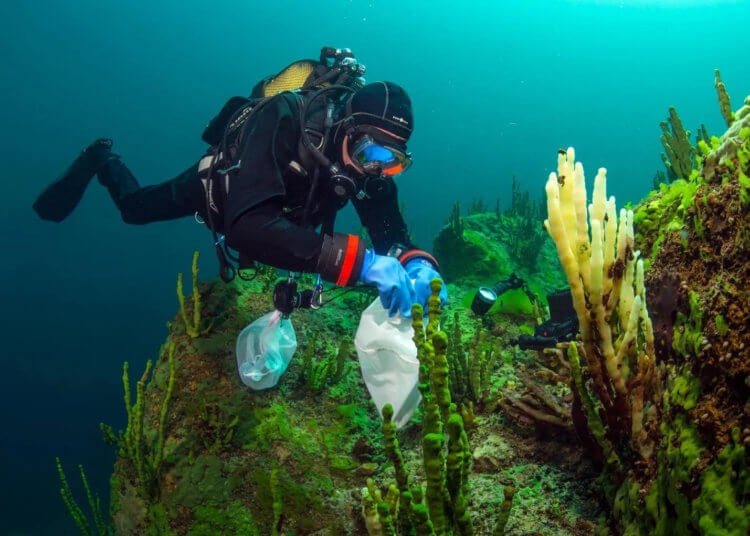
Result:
214,131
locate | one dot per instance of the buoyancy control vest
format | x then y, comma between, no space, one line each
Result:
320,87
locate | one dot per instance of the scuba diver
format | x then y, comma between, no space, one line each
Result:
281,164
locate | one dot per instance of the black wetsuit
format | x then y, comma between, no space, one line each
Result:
261,204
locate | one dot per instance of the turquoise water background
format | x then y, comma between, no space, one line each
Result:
497,88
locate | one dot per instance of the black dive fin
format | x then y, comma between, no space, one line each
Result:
61,197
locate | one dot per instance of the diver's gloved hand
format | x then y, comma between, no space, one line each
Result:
393,283
422,272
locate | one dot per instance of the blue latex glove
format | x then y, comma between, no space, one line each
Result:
393,283
421,271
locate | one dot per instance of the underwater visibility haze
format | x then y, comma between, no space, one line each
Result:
497,88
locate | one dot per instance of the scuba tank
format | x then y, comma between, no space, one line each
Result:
336,66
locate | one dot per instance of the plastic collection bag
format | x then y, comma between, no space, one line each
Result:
264,349
388,360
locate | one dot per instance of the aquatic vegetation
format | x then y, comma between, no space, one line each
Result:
216,428
693,475
144,450
83,524
724,103
679,152
194,326
721,325
724,487
525,237
667,210
440,506
688,329
617,341
232,518
455,223
743,159
317,371
659,178
471,364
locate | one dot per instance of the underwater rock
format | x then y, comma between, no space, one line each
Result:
697,241
294,458
488,247
492,454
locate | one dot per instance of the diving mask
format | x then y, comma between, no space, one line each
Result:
378,158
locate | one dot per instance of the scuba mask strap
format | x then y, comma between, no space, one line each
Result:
368,186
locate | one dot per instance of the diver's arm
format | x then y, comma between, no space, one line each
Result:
383,220
386,227
265,235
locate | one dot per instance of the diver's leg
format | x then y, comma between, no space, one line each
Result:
175,198
61,197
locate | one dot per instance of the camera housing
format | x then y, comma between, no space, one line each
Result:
562,326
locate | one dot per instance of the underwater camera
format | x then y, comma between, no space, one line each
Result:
287,298
486,297
562,326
